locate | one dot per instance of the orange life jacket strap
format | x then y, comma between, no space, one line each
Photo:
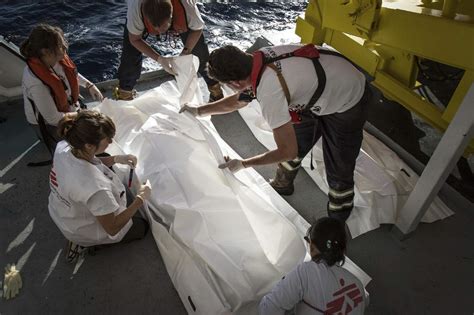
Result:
55,83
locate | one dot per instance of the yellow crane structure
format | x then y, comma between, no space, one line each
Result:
386,39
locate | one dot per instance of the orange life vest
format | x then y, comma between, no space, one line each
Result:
179,22
55,83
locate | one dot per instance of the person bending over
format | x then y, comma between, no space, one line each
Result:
321,285
50,82
161,17
305,93
88,201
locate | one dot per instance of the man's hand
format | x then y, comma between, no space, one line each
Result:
167,64
128,159
234,165
193,110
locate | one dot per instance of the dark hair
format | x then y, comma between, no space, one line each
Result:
229,63
87,127
43,36
157,11
329,237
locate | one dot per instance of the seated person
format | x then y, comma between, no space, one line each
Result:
50,81
319,286
88,201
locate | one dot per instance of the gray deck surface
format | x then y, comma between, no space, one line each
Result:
430,273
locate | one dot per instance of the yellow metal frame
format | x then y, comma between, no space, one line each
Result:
386,38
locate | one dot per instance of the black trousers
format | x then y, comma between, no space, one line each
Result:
341,135
131,61
50,138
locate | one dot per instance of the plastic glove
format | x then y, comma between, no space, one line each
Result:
127,159
167,64
145,191
234,165
95,93
12,282
193,110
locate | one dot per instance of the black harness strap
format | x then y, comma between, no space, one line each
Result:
48,139
320,73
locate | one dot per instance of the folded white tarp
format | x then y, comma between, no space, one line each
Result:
225,239
383,181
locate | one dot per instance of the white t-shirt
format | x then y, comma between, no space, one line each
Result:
34,89
135,20
332,289
81,191
344,86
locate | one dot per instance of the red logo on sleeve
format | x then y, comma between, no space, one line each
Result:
346,299
52,178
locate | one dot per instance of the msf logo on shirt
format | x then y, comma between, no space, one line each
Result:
345,300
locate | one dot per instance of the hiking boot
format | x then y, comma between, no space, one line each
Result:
73,251
283,181
124,95
215,92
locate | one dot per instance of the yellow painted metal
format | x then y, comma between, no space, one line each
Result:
458,95
359,16
386,39
354,48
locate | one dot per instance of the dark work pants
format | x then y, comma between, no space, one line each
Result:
342,138
51,137
140,225
131,61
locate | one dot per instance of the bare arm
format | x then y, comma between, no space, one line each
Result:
107,160
226,105
142,46
112,223
287,147
192,39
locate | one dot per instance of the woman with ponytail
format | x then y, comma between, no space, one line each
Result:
50,81
319,286
88,202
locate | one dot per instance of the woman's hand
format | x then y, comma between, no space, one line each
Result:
167,64
127,159
95,93
145,191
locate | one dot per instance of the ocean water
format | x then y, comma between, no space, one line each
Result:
94,29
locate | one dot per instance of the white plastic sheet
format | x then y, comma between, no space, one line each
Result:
383,181
225,240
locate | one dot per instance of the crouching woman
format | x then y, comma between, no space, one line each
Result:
88,200
319,286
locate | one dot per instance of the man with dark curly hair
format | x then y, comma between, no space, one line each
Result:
305,93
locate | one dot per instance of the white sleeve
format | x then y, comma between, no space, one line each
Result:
82,80
272,100
102,203
135,24
285,295
195,21
44,102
